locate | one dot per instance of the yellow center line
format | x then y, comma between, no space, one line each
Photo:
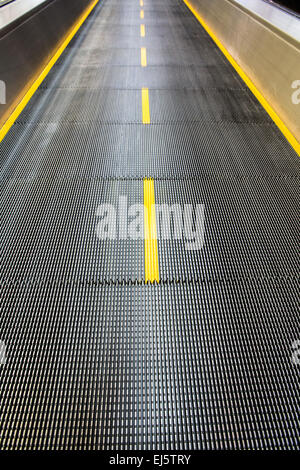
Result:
145,106
143,57
272,113
30,92
150,233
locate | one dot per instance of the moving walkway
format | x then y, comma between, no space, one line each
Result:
103,350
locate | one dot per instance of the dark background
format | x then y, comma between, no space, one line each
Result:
291,4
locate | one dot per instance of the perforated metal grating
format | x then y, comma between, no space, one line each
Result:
96,359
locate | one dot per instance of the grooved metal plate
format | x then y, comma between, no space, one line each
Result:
160,56
176,150
100,56
245,223
64,245
84,106
129,41
133,19
96,359
163,31
201,366
211,104
193,77
124,106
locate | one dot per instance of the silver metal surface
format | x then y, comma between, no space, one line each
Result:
33,42
268,56
282,20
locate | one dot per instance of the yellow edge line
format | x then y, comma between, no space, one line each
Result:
286,132
17,111
145,106
150,233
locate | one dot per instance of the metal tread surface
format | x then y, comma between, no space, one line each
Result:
71,149
64,244
150,367
193,77
162,55
96,358
167,106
